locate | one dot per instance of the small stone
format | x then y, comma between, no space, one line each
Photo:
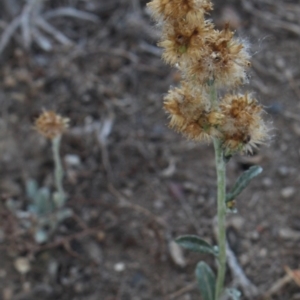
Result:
288,192
267,182
53,267
283,171
158,204
289,234
94,251
263,252
100,236
9,82
236,222
254,235
119,267
177,254
22,265
244,259
72,160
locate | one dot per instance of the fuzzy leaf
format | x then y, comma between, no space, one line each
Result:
196,244
234,294
42,201
31,189
206,281
243,181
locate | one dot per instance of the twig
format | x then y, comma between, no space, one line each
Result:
270,19
240,279
277,286
126,203
64,240
31,19
102,131
8,33
71,12
42,41
61,38
182,291
26,22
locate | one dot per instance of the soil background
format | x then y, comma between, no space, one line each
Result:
133,184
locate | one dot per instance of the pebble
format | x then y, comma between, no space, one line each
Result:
263,252
119,267
283,171
288,192
72,160
94,251
267,182
236,222
177,254
22,265
244,259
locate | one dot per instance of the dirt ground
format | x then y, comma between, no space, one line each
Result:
133,184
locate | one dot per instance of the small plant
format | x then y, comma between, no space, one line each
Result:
46,209
208,106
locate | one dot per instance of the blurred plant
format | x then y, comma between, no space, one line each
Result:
46,210
207,107
49,209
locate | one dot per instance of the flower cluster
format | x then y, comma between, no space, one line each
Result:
50,125
209,59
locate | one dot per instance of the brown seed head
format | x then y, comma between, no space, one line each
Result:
223,59
192,10
51,125
190,114
243,128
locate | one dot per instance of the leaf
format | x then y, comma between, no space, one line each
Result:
31,189
243,181
42,202
234,294
196,244
206,281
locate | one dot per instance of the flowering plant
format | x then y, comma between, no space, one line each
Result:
207,106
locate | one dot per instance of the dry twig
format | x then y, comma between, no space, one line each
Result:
33,25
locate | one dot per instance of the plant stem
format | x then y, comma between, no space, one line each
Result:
221,182
58,172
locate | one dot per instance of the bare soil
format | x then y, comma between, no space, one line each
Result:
134,192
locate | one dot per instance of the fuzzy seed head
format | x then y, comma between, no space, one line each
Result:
209,60
50,125
192,10
243,128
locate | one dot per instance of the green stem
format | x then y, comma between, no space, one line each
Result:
221,182
58,172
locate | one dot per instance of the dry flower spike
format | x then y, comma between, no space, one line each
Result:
50,125
208,59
